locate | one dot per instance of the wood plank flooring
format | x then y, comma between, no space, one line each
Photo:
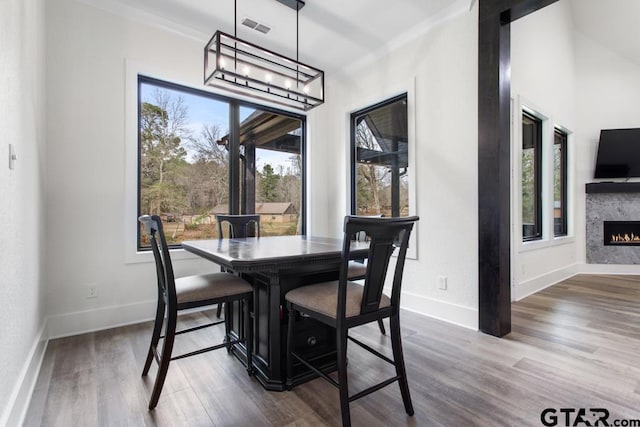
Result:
573,345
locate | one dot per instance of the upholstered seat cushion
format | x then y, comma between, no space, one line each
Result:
356,270
323,298
209,286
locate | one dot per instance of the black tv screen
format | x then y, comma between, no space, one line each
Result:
618,153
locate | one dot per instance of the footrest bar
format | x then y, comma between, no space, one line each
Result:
316,370
204,350
373,388
195,328
371,350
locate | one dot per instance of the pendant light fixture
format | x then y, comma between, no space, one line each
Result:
245,68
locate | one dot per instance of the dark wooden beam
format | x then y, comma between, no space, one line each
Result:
494,159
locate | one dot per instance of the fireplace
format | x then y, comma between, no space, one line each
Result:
621,233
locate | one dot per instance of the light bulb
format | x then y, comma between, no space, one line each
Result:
267,77
222,63
246,71
287,84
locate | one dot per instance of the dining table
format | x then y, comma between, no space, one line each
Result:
274,265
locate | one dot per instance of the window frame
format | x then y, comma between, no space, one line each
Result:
352,132
382,93
135,71
538,174
564,180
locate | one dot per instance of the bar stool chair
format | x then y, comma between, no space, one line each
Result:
240,227
183,293
358,271
343,304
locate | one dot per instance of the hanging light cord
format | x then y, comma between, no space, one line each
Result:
297,44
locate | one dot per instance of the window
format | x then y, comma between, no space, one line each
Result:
200,154
531,177
560,186
380,159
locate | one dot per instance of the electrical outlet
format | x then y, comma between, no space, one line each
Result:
442,283
92,291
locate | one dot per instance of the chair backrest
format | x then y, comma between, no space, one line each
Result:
240,226
361,236
384,235
164,269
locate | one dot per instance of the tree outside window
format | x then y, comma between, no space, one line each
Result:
184,164
380,167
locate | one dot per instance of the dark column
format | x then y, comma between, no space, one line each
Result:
494,180
494,154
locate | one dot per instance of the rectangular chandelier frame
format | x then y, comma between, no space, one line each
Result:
241,67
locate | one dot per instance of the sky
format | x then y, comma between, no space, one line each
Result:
203,110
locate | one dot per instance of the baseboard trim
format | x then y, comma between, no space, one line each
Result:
610,269
20,398
466,317
81,322
536,284
531,286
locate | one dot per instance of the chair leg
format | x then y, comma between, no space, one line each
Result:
381,326
398,358
165,358
290,339
219,310
248,334
227,326
341,347
155,336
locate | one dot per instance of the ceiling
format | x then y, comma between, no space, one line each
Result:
611,23
349,33
334,34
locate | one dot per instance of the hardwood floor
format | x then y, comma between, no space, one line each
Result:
573,345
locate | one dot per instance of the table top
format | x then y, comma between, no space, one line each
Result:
274,252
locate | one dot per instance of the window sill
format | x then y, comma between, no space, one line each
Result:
562,240
533,245
545,243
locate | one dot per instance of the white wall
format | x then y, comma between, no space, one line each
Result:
86,53
87,48
22,206
543,78
585,87
444,65
608,90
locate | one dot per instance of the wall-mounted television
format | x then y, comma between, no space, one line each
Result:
618,153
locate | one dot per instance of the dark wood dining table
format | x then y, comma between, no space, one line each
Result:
275,265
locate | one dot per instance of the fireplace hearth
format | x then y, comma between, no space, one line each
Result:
621,233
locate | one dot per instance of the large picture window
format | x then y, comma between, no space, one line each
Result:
531,177
380,159
560,184
201,154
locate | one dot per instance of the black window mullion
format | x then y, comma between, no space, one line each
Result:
560,139
532,140
538,177
234,158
